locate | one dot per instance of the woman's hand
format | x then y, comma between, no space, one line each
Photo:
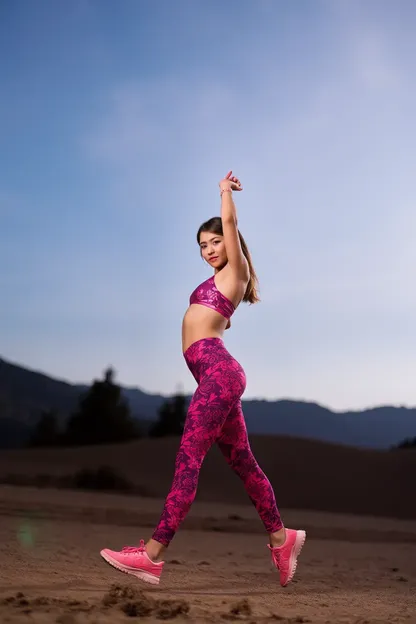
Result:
230,183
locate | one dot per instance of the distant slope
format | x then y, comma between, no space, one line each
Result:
379,427
25,393
13,433
305,474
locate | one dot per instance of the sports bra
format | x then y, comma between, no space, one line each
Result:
207,294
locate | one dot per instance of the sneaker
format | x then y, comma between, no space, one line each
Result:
135,560
285,557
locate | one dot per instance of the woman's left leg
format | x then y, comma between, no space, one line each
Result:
235,447
285,544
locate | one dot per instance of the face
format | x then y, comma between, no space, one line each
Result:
213,249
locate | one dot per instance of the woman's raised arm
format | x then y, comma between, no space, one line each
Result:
236,260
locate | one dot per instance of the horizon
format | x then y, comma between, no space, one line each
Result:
118,121
188,394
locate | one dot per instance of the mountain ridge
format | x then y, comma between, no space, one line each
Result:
24,393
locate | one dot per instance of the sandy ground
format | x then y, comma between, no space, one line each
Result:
352,569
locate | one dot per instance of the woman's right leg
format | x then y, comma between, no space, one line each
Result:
197,438
208,411
221,383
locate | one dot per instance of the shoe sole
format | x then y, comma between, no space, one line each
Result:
147,577
293,562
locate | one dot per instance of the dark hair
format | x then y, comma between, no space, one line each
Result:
214,225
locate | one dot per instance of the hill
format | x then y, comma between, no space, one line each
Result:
305,474
25,393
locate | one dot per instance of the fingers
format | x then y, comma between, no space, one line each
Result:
234,180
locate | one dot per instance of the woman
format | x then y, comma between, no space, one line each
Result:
215,414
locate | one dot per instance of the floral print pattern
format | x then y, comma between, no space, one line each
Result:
215,416
207,294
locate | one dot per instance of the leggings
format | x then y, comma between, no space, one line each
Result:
215,415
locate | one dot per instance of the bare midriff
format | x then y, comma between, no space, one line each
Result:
201,322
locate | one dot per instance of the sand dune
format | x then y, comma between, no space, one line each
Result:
305,474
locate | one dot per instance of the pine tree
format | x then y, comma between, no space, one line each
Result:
172,414
407,443
46,432
103,416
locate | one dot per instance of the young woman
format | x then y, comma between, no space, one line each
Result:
215,414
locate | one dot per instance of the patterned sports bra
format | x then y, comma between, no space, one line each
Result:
207,294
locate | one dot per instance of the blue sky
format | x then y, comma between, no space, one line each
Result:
117,121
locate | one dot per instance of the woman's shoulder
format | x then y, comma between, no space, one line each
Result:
229,276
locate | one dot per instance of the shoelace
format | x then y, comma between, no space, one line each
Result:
276,561
134,549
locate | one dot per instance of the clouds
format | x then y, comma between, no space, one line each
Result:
313,109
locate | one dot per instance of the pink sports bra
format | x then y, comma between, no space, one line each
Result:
207,294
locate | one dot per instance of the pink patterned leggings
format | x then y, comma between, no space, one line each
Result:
215,415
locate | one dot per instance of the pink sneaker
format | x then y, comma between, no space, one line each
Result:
135,560
285,557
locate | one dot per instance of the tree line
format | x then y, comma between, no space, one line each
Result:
103,417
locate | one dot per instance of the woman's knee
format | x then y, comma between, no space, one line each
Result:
239,457
193,450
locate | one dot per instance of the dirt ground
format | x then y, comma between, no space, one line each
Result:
351,570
